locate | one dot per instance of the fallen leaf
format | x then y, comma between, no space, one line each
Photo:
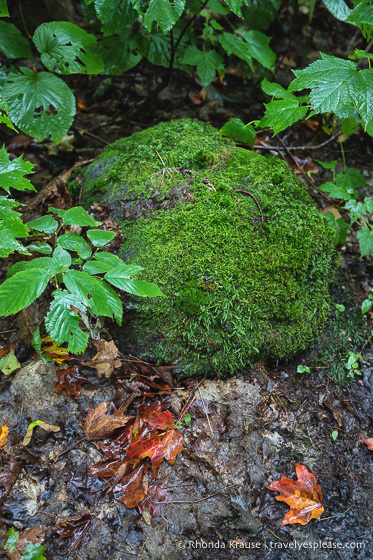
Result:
9,364
4,434
333,210
304,496
29,541
75,527
105,360
55,352
99,425
156,493
70,379
8,475
162,446
132,488
43,425
158,418
145,386
367,442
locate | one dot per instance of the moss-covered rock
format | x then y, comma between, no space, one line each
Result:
238,288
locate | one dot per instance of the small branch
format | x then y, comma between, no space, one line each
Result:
255,200
302,148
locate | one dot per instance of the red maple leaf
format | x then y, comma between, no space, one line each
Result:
161,446
70,379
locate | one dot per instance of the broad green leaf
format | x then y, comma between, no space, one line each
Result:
163,13
63,324
40,104
356,209
358,53
236,5
275,90
101,266
4,12
362,14
65,48
21,290
99,237
123,271
365,236
34,552
4,119
345,184
12,539
10,219
338,8
96,267
46,224
114,301
366,305
62,257
12,172
120,52
217,7
40,247
9,364
115,15
58,211
12,43
109,258
89,291
282,113
239,131
47,264
119,278
36,341
8,243
362,93
336,191
232,44
207,62
73,242
259,48
78,217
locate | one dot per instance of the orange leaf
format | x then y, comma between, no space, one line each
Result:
133,487
304,496
98,425
162,446
70,379
158,418
368,443
4,434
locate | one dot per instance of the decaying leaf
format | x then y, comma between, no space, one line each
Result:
146,386
70,379
163,446
106,360
29,541
43,425
156,417
99,425
8,475
133,487
9,364
4,434
55,352
304,496
75,527
156,493
367,442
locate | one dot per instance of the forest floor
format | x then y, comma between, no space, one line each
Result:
245,431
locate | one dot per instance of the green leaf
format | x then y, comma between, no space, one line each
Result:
282,113
120,52
40,247
207,62
12,172
233,44
334,435
46,224
58,211
61,257
358,53
4,119
73,242
275,90
99,237
36,341
12,539
89,291
357,209
96,267
217,7
365,236
114,301
34,552
120,278
21,290
115,15
40,104
362,14
164,13
48,264
239,131
366,305
258,47
12,43
236,5
63,324
109,258
361,91
123,271
4,12
66,49
77,216
10,219
9,364
338,8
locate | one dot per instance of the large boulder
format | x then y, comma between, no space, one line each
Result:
231,237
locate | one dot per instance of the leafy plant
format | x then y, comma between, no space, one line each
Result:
352,364
303,369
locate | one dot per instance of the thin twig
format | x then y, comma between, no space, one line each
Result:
301,148
255,200
197,501
3,332
189,400
207,414
69,448
277,537
91,135
338,514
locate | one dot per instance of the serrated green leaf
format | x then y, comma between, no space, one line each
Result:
8,243
163,13
358,53
357,209
4,12
120,52
66,49
336,191
207,62
77,216
217,7
40,104
119,278
73,242
236,5
40,247
12,172
365,236
115,15
239,131
46,224
275,90
109,258
21,290
232,44
123,271
62,257
282,113
362,14
89,291
96,267
361,91
338,8
48,264
58,211
63,324
10,219
4,119
12,43
258,47
114,301
34,552
100,237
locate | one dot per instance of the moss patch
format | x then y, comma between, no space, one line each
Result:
238,289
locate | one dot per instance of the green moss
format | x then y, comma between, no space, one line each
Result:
238,289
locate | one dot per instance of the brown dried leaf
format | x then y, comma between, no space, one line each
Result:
70,379
75,527
156,493
133,487
98,425
8,476
105,360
